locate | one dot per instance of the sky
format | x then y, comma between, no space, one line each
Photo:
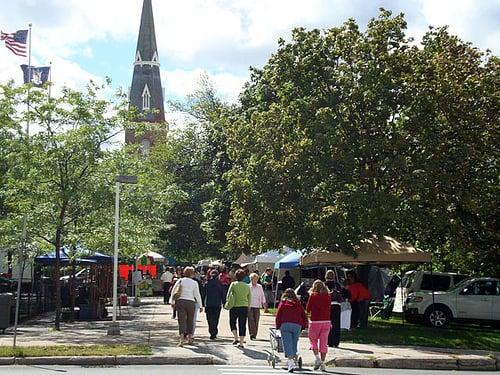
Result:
93,39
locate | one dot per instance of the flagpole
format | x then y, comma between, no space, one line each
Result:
29,81
50,79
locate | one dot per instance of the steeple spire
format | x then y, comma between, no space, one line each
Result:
146,43
146,93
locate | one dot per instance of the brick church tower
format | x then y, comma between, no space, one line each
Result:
146,93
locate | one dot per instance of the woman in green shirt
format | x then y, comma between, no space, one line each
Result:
238,301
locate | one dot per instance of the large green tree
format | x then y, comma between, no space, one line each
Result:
345,133
195,226
53,174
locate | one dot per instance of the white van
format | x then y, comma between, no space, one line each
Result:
414,281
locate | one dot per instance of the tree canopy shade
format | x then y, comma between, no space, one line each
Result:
345,133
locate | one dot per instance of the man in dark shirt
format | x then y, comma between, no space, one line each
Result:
287,281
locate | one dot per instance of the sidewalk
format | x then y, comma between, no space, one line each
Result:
152,324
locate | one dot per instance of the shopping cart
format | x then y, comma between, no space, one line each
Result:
277,347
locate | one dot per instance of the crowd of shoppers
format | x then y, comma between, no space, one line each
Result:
245,294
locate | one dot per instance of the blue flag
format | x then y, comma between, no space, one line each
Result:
36,75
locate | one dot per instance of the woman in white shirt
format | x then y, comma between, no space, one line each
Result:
185,304
258,300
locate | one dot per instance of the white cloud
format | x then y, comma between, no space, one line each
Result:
223,37
472,21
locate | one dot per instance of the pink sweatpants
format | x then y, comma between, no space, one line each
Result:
318,331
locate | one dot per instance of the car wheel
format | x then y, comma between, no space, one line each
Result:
438,317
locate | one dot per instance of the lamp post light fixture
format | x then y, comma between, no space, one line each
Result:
114,327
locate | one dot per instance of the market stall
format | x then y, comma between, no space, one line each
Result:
92,289
266,260
375,250
290,262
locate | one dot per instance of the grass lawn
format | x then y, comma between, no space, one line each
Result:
392,332
76,350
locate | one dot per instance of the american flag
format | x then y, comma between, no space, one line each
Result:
16,42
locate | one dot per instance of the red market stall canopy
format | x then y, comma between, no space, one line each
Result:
374,250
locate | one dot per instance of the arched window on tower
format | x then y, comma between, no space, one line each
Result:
146,98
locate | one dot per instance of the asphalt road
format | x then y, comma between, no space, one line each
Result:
210,370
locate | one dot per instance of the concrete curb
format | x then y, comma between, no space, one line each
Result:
461,362
6,361
111,360
464,362
477,363
352,362
437,363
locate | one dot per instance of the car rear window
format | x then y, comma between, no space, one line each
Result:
458,278
439,283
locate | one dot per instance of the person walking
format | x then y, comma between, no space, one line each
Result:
336,297
267,284
258,300
166,277
214,296
290,320
238,301
185,296
318,306
225,280
360,298
197,278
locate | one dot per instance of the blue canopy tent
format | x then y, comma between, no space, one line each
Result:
291,260
99,257
50,258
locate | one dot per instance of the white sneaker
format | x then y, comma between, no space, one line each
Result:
290,364
317,363
322,367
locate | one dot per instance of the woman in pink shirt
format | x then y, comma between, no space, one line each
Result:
318,306
258,300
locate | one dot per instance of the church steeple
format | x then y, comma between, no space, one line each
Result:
146,93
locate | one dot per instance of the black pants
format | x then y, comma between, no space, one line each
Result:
354,314
334,336
240,314
166,292
213,315
364,311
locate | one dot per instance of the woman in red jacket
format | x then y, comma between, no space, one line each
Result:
319,328
290,319
360,301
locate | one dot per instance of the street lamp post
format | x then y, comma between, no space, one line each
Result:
114,328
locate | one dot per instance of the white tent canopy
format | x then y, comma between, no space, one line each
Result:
267,259
271,256
244,259
156,257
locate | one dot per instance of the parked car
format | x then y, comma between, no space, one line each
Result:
415,281
475,300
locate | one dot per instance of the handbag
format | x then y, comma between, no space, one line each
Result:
231,299
177,292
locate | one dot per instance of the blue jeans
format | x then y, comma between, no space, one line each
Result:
290,333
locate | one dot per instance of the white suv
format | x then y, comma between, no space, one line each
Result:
416,281
474,300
